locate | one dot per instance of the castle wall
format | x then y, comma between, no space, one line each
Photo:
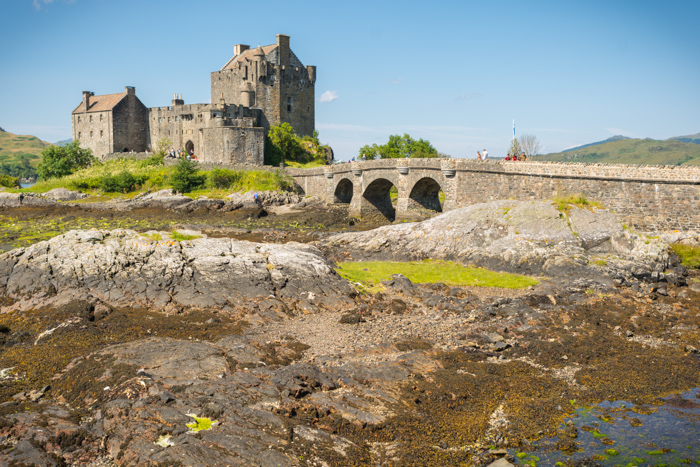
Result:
182,124
94,131
231,145
130,124
648,198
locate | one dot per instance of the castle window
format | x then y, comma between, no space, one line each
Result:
100,117
90,133
289,104
101,133
91,118
79,133
168,119
78,119
158,119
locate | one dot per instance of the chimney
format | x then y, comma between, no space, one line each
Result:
177,100
86,99
239,49
283,49
130,91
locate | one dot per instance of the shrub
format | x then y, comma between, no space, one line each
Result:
59,161
8,181
123,182
223,178
154,160
187,177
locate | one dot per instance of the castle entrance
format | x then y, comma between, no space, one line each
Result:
189,147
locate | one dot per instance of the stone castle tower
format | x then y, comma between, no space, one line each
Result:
255,89
272,79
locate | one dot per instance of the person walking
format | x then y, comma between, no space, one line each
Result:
485,154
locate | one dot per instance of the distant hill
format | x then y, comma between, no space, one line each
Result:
631,151
695,139
20,154
64,142
612,138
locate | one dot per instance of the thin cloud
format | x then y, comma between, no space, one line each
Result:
329,96
396,81
469,95
38,3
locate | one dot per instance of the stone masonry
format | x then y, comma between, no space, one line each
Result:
253,90
648,198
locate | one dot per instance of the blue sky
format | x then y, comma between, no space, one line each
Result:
453,72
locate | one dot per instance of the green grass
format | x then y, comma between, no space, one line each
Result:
369,274
175,235
632,151
305,165
690,255
155,177
565,203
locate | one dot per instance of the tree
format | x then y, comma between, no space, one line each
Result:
59,161
286,140
515,148
531,145
399,147
162,146
187,177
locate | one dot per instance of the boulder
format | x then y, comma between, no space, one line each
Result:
520,236
124,268
63,194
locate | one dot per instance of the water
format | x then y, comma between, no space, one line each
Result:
622,434
27,185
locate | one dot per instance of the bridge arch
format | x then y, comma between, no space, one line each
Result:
378,199
343,191
425,196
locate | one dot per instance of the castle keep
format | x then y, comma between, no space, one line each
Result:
255,89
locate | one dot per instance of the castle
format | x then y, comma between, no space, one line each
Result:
255,89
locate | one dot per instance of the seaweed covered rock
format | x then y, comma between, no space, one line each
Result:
123,268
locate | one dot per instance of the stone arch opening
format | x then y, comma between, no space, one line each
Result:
189,147
379,200
343,192
425,195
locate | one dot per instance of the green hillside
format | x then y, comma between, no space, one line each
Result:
20,154
688,139
631,151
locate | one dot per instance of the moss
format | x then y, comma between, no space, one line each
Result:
566,203
200,424
690,255
175,235
369,274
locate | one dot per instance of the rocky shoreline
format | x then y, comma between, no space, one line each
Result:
112,342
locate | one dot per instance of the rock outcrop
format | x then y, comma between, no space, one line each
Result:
520,236
124,268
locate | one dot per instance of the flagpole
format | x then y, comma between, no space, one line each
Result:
514,129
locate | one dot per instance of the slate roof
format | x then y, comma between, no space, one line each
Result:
248,55
102,103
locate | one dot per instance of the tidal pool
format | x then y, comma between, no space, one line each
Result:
621,433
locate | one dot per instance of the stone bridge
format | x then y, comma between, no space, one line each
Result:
647,198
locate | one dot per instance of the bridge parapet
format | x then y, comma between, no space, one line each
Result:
647,197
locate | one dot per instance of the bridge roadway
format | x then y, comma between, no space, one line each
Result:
647,198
